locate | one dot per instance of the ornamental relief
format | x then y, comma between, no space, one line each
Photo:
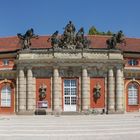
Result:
7,75
42,73
70,72
97,73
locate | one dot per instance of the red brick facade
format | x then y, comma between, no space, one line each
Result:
10,49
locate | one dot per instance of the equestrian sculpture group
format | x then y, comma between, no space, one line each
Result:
115,39
70,39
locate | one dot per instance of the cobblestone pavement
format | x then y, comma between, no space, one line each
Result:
78,127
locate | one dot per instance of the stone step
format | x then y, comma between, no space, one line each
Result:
71,113
25,113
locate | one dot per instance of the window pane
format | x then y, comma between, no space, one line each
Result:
67,91
67,100
66,83
73,83
6,96
132,95
73,91
73,100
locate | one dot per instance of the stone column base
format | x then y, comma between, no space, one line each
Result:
24,112
115,112
120,112
110,112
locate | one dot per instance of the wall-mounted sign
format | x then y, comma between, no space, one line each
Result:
42,104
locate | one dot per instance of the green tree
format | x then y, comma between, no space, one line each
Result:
93,31
109,32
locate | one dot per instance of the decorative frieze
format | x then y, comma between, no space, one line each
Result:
97,71
70,72
89,54
42,72
7,74
95,55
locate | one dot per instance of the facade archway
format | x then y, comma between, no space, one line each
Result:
7,97
132,96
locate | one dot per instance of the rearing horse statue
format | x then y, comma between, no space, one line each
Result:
26,38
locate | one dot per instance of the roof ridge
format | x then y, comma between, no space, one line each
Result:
102,36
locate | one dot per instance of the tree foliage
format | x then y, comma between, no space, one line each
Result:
94,31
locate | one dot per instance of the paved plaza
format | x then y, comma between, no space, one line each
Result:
78,127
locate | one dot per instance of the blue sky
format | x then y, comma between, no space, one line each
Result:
47,16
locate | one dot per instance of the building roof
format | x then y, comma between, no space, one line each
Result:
97,41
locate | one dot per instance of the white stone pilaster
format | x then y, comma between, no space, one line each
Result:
21,91
17,98
119,90
106,96
30,90
85,90
123,91
111,91
60,93
56,90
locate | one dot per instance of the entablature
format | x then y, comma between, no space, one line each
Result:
67,56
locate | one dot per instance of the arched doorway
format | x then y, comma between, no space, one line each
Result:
6,98
133,97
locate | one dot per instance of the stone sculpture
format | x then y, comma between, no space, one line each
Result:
26,38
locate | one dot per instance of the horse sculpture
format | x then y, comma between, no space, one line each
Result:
116,39
54,39
26,38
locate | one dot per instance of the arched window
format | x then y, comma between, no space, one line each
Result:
132,94
6,96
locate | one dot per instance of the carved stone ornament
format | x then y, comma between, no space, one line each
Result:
71,72
69,39
42,92
97,92
97,72
42,72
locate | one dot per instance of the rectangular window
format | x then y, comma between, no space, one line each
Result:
5,62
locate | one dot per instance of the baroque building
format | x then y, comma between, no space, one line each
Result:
38,74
